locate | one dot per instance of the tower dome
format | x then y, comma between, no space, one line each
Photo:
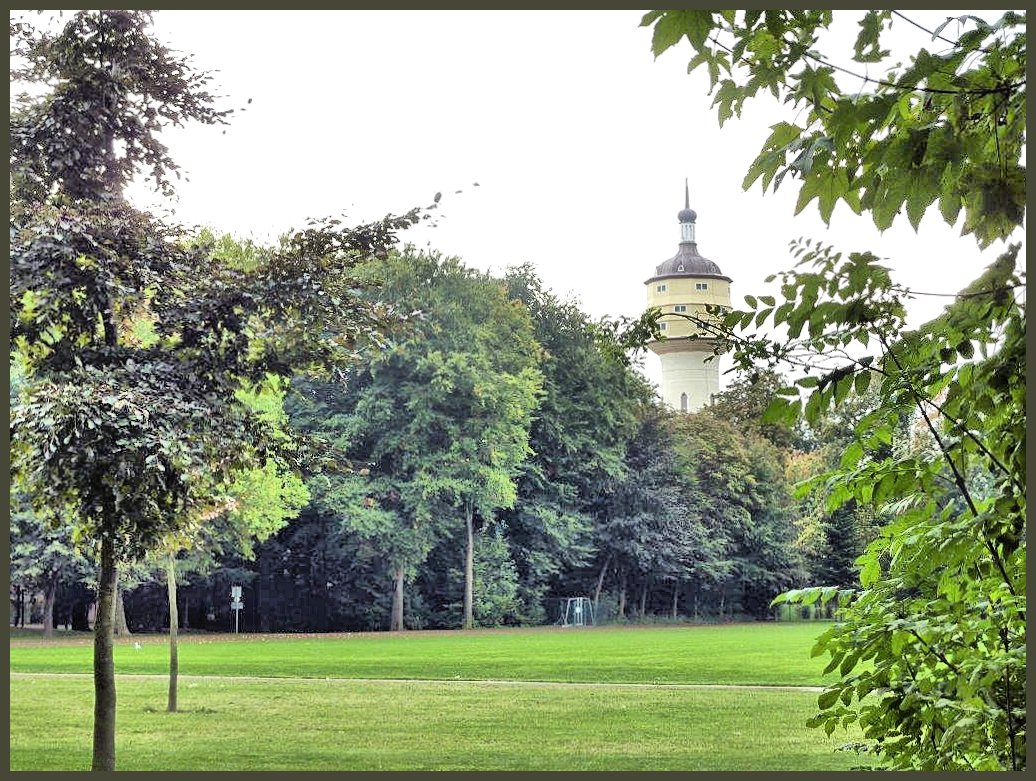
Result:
688,263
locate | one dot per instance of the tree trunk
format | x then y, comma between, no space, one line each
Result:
600,581
396,624
174,620
676,597
469,567
80,616
104,662
643,600
120,625
622,597
50,593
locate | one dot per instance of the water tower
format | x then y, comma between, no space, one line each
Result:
685,285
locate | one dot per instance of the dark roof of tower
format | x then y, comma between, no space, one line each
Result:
688,263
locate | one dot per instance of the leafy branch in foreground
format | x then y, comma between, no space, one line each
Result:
931,649
947,128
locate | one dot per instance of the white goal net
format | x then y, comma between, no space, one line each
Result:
576,611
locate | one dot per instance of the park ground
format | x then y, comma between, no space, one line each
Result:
730,697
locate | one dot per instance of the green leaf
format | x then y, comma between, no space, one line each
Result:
781,410
848,663
828,698
870,572
924,191
862,381
828,187
673,25
867,48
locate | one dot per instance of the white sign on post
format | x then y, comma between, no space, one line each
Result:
236,604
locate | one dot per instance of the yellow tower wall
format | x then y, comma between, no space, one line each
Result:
681,291
685,369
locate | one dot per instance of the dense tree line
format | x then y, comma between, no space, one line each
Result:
496,438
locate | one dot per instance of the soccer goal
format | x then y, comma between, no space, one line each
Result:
576,611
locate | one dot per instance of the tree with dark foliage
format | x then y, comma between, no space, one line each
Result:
132,437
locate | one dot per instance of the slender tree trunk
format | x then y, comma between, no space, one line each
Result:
120,625
600,581
676,597
643,600
50,593
469,567
174,620
396,624
622,596
104,662
81,616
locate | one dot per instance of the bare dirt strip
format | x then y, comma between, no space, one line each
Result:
439,681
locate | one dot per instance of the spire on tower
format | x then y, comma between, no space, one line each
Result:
687,216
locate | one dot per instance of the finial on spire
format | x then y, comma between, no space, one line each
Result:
687,215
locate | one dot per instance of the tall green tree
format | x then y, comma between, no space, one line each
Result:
587,415
132,437
439,420
650,527
930,647
737,483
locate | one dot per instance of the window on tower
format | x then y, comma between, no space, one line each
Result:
701,285
660,288
663,326
680,308
683,402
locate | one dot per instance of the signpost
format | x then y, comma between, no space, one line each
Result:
236,604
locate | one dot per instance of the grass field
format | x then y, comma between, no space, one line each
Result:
646,699
771,654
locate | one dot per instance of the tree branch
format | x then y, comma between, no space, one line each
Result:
1003,89
957,476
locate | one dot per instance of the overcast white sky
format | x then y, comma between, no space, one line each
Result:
579,139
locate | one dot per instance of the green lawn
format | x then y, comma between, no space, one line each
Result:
771,654
305,724
313,718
